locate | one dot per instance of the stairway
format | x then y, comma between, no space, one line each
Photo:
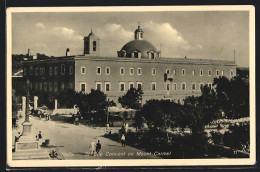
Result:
31,154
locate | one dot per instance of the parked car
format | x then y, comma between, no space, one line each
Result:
43,111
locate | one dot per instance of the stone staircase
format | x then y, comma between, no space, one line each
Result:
32,154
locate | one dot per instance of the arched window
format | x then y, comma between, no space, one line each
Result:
94,45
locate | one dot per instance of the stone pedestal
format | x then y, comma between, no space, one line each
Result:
27,127
26,141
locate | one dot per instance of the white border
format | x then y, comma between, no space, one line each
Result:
148,162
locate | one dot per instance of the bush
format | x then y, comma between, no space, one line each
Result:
237,136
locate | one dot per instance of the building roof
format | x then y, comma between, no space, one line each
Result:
142,46
168,60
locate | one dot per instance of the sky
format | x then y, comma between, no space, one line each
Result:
194,34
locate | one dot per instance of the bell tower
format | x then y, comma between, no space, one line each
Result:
139,33
91,44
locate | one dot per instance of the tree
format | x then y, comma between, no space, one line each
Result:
158,113
132,99
67,98
200,110
97,100
41,56
139,119
14,104
232,96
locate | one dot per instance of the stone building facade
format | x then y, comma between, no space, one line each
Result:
138,64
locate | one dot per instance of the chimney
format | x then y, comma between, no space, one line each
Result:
67,52
29,52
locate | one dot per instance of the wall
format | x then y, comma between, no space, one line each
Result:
91,76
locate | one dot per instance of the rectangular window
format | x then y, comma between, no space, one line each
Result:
56,71
131,85
183,86
193,86
107,86
139,85
62,86
83,70
168,71
98,86
62,69
36,71
201,85
222,73
50,86
36,86
139,71
210,85
50,70
167,87
45,86
107,70
201,72
217,72
41,71
136,55
131,71
71,85
122,86
174,72
153,71
83,87
71,70
98,70
153,86
209,72
174,86
193,72
122,71
31,70
152,55
231,73
183,72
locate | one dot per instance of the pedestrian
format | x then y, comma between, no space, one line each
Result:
123,140
40,135
98,147
92,147
17,136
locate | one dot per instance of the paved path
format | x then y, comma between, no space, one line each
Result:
73,141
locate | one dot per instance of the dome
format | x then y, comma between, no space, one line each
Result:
142,46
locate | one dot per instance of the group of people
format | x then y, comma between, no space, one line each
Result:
94,147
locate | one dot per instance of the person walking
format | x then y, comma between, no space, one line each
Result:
123,140
92,147
98,147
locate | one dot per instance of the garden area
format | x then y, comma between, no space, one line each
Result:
212,125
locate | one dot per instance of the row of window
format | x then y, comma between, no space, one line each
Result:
51,86
52,70
139,71
107,71
183,72
122,86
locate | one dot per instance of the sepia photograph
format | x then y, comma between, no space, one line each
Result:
131,86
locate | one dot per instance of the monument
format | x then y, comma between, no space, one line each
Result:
26,140
27,147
